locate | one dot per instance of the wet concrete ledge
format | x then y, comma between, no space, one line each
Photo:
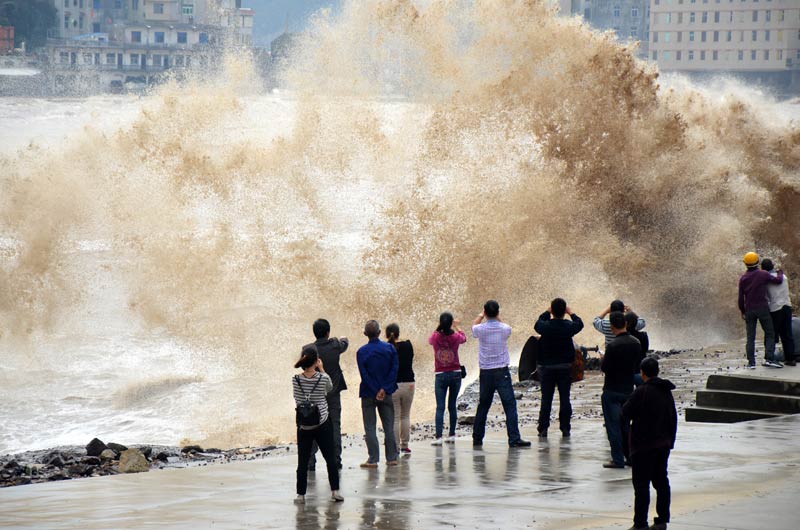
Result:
741,476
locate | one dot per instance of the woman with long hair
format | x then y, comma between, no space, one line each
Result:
446,341
404,396
313,425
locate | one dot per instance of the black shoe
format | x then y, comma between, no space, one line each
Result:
565,434
628,463
790,363
542,434
634,527
519,443
477,443
659,526
613,465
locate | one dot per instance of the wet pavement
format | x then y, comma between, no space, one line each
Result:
742,476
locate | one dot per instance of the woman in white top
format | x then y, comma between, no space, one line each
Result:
313,425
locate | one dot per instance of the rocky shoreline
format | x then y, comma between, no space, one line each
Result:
688,369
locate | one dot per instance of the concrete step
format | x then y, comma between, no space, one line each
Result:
730,399
761,385
716,415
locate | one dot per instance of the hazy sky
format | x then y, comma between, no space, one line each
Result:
271,16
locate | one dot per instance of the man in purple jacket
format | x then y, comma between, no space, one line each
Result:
754,305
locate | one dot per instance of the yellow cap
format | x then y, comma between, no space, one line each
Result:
751,258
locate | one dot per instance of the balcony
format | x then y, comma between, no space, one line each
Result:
71,43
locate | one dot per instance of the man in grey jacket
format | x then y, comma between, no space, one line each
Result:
330,349
780,309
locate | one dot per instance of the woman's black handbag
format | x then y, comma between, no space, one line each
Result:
463,371
307,413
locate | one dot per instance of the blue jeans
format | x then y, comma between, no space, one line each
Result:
447,381
751,318
498,379
551,378
385,409
616,429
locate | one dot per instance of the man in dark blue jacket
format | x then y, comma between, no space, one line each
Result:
378,364
556,355
651,408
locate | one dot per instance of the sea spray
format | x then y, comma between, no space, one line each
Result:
424,156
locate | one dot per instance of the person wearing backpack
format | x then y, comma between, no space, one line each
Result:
313,423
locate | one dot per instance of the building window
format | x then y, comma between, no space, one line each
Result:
587,13
111,58
668,18
716,36
716,16
667,56
755,16
702,36
780,15
780,55
741,55
136,36
135,5
159,37
691,17
678,55
87,58
63,57
768,14
766,35
616,11
703,55
730,36
752,55
755,36
182,37
66,3
766,55
135,59
66,21
97,4
80,21
780,35
691,36
666,36
203,39
655,53
691,55
156,60
187,9
714,55
704,18
634,33
80,4
158,8
634,12
680,18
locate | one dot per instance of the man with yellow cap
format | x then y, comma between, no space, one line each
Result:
754,305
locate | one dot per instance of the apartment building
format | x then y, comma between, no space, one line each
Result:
629,19
757,39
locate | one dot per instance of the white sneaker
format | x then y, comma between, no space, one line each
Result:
751,366
437,441
300,499
335,497
773,364
450,440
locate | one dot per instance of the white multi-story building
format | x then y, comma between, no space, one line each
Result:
756,39
145,37
629,19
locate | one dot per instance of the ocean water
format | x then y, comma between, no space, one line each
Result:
162,258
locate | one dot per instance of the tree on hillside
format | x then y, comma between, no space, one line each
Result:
31,20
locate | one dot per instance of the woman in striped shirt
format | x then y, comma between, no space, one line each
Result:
312,385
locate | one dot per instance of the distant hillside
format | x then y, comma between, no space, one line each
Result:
272,16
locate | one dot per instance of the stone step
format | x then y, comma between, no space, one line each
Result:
730,399
716,415
761,385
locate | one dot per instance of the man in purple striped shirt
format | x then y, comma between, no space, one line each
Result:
493,360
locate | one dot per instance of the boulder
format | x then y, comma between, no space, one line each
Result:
11,465
117,448
55,461
95,447
108,454
466,420
192,449
78,469
146,451
91,460
133,461
162,456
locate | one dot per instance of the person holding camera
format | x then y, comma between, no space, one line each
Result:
556,355
446,341
313,424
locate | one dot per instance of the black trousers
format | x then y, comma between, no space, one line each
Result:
782,322
650,466
323,436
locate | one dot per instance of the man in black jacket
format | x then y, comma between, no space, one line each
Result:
655,424
330,349
556,355
617,364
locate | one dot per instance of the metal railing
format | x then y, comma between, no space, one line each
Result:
71,43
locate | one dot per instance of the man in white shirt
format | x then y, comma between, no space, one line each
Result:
780,309
493,360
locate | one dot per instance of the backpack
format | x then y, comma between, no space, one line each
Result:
307,413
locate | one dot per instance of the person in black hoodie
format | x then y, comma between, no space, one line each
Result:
632,320
330,349
556,355
651,408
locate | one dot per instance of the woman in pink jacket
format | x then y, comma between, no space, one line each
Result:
445,342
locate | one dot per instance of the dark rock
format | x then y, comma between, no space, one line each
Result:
162,456
518,395
269,448
192,449
117,448
55,461
22,481
91,460
78,469
463,406
146,451
58,476
11,465
466,420
213,450
95,447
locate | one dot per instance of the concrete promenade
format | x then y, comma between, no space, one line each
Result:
741,477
